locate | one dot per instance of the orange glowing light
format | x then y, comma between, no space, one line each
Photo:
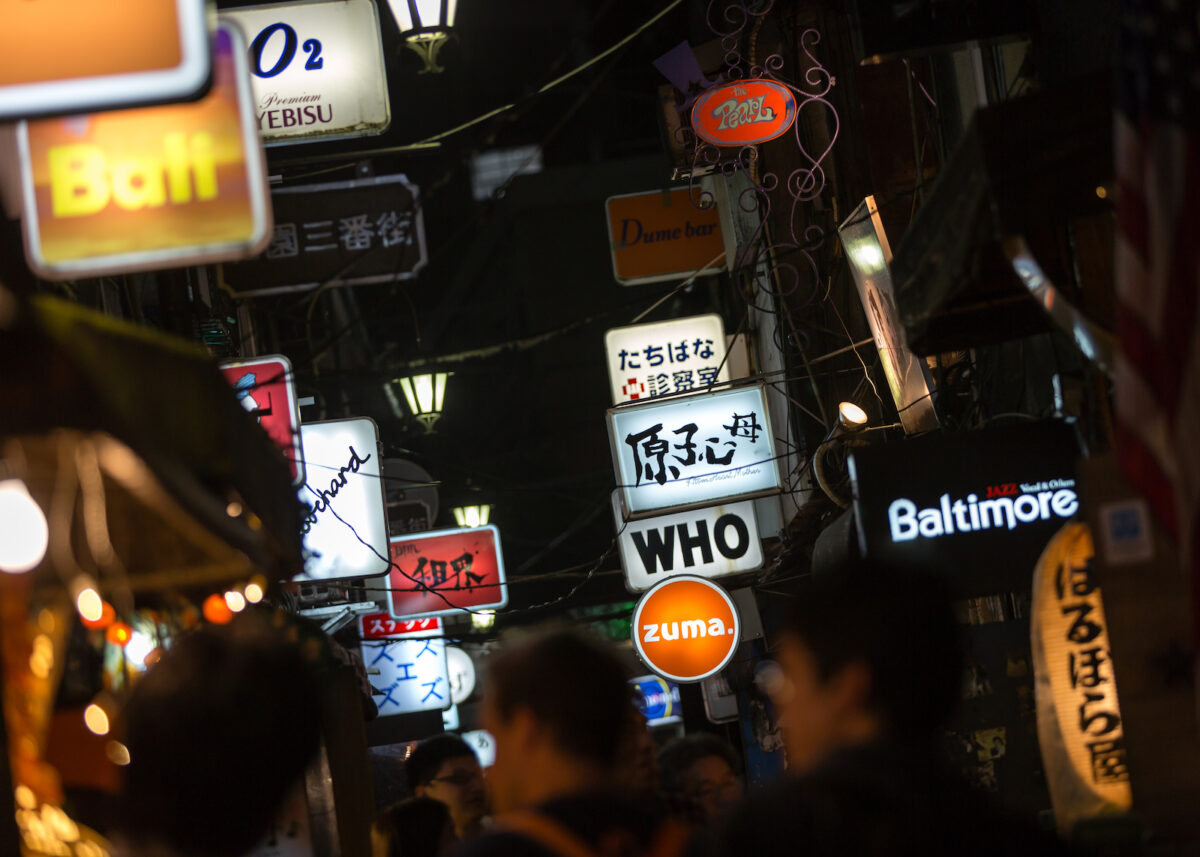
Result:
118,634
107,615
216,610
686,628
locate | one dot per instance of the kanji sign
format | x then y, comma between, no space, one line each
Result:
151,187
447,571
317,69
412,674
264,387
662,235
715,541
686,628
744,113
353,232
383,626
345,528
650,360
71,56
693,451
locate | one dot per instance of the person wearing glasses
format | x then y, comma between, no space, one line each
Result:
702,768
446,769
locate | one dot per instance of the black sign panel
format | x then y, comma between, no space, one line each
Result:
367,230
977,506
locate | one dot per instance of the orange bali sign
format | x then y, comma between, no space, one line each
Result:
70,56
153,187
662,235
686,628
744,113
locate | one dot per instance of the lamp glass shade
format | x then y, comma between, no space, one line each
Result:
472,516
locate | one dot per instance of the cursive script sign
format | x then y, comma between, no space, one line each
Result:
744,113
336,484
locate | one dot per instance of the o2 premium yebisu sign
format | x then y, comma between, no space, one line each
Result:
345,525
152,187
317,69
693,451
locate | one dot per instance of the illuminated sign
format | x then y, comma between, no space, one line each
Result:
316,68
744,113
1078,714
412,673
346,233
484,745
693,451
154,187
462,674
264,387
658,700
686,628
978,506
70,56
649,360
383,626
712,542
662,235
447,571
345,525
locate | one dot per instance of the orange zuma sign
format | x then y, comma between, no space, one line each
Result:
151,187
686,628
661,235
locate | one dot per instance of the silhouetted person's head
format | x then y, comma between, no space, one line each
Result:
868,653
705,769
447,770
218,732
417,827
557,703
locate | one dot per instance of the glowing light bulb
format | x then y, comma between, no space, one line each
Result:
253,593
482,620
95,719
851,415
235,601
24,534
117,753
90,604
216,610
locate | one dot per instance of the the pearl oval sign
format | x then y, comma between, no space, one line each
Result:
744,113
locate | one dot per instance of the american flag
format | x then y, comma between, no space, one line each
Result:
1158,263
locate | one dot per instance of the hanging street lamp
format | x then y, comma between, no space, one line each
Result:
472,516
425,25
424,394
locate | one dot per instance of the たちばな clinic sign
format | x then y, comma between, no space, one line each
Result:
649,360
316,68
693,451
151,187
686,628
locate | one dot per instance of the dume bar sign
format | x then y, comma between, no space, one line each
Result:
984,506
151,187
663,235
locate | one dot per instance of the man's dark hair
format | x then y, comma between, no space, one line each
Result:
681,753
574,684
898,622
428,757
218,732
414,828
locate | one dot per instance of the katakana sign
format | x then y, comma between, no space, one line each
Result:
693,451
681,355
412,673
447,571
383,626
368,230
264,387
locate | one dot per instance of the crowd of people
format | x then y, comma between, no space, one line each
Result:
869,670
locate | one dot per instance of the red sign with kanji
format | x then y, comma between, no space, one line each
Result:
264,387
382,626
447,571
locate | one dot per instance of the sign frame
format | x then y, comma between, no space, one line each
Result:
232,13
168,257
631,557
292,405
501,575
96,93
305,491
736,632
626,489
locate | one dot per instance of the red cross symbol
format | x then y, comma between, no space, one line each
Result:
633,389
